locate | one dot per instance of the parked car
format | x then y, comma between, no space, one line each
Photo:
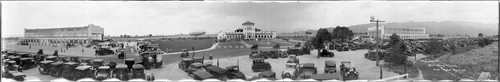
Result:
330,66
306,71
260,65
290,71
348,72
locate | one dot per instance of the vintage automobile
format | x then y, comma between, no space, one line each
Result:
121,55
45,67
264,54
85,61
15,58
184,64
56,69
254,47
326,53
306,71
68,69
195,66
138,72
129,62
102,73
290,71
270,75
330,66
372,55
296,51
283,53
348,72
153,58
11,66
260,65
27,63
96,63
293,59
121,72
18,76
218,72
274,54
74,59
185,53
326,76
233,72
202,75
51,58
254,54
104,50
83,72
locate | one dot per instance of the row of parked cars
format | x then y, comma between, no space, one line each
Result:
200,69
72,68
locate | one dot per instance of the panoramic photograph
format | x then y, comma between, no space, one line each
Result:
250,41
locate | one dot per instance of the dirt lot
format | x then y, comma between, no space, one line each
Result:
366,68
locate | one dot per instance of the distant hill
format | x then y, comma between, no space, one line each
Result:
444,27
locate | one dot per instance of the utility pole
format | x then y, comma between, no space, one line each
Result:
372,19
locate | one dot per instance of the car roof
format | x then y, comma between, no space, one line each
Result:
11,61
137,66
130,59
103,67
25,58
98,60
51,56
203,74
70,63
308,65
330,63
267,73
187,59
46,61
57,63
216,69
83,67
121,66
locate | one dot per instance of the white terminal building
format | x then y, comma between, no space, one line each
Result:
247,31
60,36
403,33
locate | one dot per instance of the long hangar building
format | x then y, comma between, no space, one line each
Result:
60,36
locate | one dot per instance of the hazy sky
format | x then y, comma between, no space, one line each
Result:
141,18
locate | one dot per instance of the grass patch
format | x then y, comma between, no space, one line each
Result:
178,45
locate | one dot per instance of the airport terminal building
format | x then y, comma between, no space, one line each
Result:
248,31
403,33
60,36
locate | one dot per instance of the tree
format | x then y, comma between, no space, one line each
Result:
322,36
393,39
434,47
483,42
342,33
480,35
307,32
150,35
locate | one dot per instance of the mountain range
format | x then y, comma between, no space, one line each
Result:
433,27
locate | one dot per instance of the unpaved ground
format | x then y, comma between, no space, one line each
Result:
366,68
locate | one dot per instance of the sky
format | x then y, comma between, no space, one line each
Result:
167,18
